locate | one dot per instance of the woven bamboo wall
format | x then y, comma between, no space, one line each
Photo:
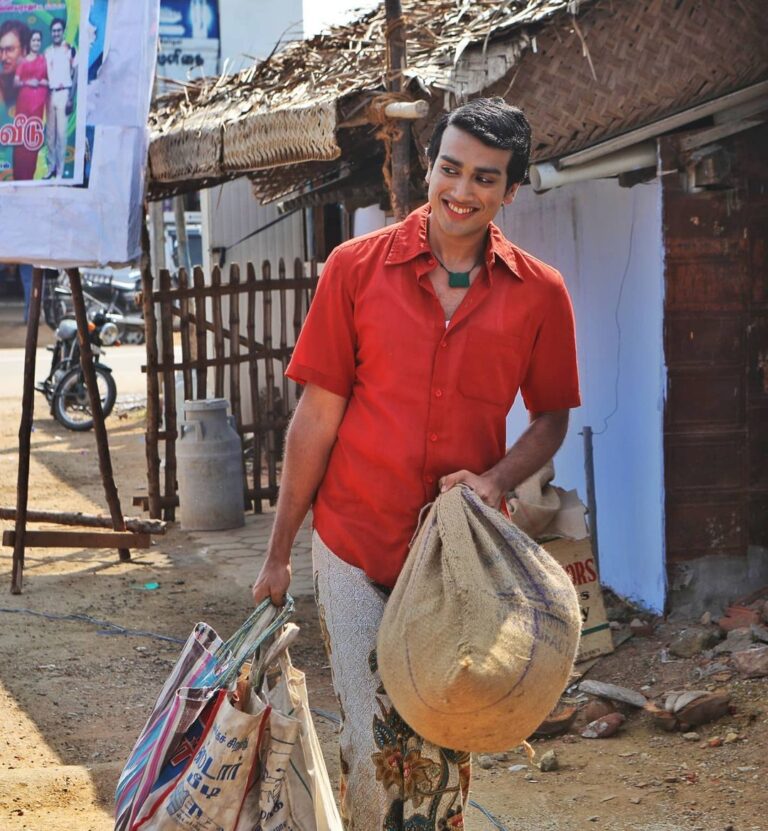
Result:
651,58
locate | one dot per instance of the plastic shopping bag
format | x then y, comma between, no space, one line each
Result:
206,666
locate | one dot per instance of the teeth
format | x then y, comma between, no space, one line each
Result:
458,209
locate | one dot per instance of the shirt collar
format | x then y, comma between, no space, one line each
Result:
410,241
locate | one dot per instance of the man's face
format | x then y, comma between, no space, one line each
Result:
10,52
467,184
57,34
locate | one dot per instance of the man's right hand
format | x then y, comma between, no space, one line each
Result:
273,581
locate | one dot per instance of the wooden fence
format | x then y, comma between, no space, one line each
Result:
260,396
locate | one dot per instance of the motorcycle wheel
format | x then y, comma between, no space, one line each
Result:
132,336
71,405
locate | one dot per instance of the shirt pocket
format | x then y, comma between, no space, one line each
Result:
490,367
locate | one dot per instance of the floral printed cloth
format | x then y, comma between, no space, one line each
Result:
391,778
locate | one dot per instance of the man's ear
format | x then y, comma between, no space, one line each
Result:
509,196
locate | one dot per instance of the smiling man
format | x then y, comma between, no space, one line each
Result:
416,344
14,37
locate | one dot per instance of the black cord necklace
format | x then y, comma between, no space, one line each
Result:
459,279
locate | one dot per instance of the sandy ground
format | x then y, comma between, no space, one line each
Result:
74,694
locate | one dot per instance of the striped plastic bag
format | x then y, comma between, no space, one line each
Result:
205,666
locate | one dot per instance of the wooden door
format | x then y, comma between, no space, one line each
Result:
716,347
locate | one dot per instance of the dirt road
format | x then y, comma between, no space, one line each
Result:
74,693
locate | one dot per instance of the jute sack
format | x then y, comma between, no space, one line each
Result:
479,635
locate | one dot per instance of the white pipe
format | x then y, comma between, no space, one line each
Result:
407,109
546,176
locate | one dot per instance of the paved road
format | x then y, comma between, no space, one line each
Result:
125,362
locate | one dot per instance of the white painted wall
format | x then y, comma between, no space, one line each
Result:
607,242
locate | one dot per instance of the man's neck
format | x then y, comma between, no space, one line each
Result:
456,250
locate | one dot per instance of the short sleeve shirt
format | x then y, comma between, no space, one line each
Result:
424,399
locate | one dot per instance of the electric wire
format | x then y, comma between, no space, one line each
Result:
618,323
114,628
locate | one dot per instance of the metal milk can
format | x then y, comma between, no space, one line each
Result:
210,468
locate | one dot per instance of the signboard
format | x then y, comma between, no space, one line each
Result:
88,209
189,40
42,91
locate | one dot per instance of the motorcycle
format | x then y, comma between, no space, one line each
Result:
112,292
65,388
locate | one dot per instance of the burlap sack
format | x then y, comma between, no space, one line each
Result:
479,636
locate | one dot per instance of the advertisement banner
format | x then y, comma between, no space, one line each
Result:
113,48
43,84
189,41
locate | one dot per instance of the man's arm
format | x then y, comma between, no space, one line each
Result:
310,438
537,445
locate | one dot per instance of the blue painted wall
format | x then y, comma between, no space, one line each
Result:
607,242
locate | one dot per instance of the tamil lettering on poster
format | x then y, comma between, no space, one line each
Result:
42,92
189,40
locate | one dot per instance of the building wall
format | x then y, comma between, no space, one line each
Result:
607,242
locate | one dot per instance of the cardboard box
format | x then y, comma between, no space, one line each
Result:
575,556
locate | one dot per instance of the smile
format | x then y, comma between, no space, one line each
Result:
458,209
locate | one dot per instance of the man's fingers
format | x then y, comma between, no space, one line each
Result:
447,482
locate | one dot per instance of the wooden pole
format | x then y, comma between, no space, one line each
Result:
589,472
401,145
100,431
153,384
25,431
169,396
135,524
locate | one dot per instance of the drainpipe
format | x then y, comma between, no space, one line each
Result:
546,175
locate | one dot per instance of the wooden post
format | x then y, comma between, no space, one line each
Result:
100,431
218,332
187,355
400,146
25,431
589,471
169,396
269,376
253,383
201,350
153,385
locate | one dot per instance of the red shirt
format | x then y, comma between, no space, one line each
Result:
424,400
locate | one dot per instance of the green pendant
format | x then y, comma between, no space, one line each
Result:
458,279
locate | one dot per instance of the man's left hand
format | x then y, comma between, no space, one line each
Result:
485,486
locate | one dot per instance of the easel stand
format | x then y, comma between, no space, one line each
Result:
20,538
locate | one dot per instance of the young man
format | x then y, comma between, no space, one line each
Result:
14,41
62,61
416,344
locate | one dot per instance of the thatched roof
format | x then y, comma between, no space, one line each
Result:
582,71
285,110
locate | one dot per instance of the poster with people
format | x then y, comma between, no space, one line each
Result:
43,84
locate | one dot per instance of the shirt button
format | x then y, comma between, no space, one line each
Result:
433,437
429,479
438,393
444,343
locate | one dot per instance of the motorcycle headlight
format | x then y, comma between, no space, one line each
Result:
108,333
